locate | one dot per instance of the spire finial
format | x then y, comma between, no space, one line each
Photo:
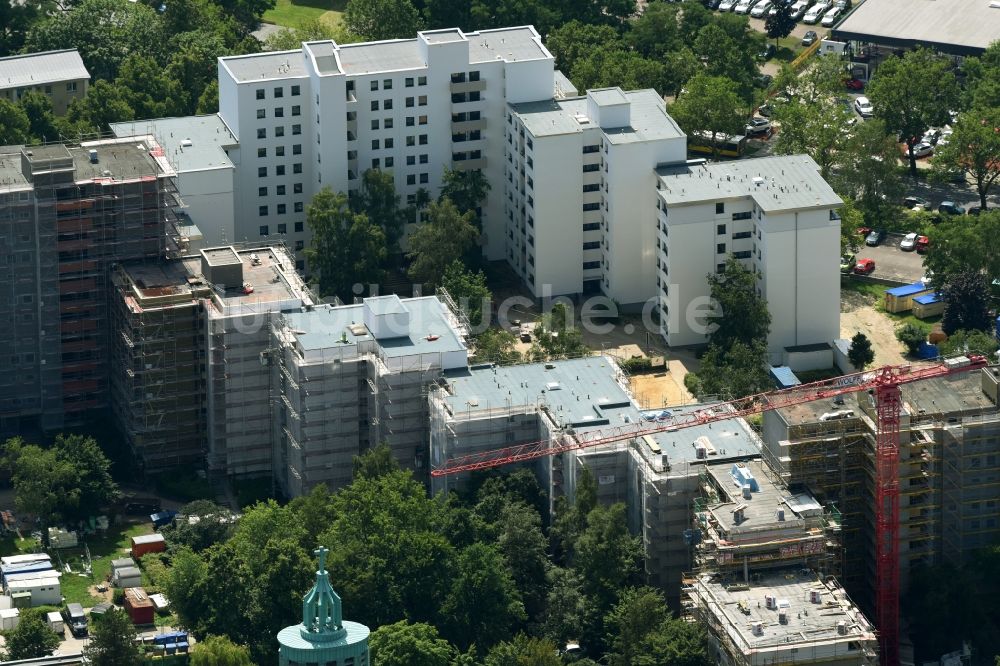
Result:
321,553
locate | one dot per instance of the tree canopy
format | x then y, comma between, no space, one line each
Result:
112,641
973,149
31,638
447,235
711,105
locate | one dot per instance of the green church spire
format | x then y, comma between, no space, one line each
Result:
322,616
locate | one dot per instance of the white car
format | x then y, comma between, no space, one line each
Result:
799,8
908,243
945,136
727,5
760,9
815,12
830,17
864,107
743,7
923,149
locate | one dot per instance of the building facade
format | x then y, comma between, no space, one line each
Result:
59,75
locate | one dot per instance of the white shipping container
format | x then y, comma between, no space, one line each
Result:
9,618
55,621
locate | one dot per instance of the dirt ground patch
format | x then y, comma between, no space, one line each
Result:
661,389
858,313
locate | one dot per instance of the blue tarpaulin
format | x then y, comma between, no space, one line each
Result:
784,377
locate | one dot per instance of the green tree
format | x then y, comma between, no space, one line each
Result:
780,24
556,336
574,41
405,644
212,524
851,219
524,650
448,14
975,342
434,245
15,126
112,641
913,92
656,32
982,82
374,463
246,12
209,100
346,248
860,353
974,149
728,46
566,607
104,104
483,604
742,314
964,244
31,638
287,39
678,643
469,291
912,335
220,651
639,612
382,19
465,189
497,346
869,173
149,90
966,303
736,371
712,106
607,558
378,200
501,13
16,18
610,67
42,122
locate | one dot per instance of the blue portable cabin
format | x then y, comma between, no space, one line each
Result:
784,377
900,299
928,305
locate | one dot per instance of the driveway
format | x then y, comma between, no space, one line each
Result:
892,263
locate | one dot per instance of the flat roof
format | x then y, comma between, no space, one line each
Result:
126,159
35,69
648,117
190,143
11,176
563,86
154,280
273,278
909,289
588,393
374,57
760,510
738,606
266,66
325,327
608,96
784,374
957,26
784,182
927,299
221,256
443,36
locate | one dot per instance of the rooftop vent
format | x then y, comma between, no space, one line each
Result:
186,143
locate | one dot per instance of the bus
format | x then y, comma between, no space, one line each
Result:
728,145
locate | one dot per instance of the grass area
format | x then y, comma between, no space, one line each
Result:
102,550
788,48
299,13
184,486
875,294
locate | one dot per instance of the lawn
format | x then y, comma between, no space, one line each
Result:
875,294
298,13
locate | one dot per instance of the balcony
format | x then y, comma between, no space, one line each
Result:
467,86
468,125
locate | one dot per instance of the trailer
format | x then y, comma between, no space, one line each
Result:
45,591
138,606
148,543
126,577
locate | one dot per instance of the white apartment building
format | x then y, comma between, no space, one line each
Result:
326,113
778,216
591,161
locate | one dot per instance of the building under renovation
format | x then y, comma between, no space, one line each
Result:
68,213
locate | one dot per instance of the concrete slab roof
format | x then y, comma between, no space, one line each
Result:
962,27
778,183
190,143
47,67
265,66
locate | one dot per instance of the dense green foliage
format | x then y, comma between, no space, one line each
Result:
966,303
112,641
31,638
860,353
220,651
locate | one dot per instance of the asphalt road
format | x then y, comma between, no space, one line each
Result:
891,262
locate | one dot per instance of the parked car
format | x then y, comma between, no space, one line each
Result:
864,107
830,17
854,84
951,208
768,51
922,149
727,5
815,12
864,267
799,8
758,126
931,136
916,203
864,231
909,243
976,210
875,237
766,110
743,6
763,80
847,263
75,619
923,242
809,38
760,9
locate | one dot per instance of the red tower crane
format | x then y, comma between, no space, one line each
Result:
883,382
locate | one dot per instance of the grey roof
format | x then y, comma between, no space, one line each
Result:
372,57
649,120
586,394
34,69
788,182
266,66
563,86
208,136
508,44
443,36
326,327
608,96
970,25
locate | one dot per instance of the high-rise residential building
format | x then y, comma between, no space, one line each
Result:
59,75
778,216
67,215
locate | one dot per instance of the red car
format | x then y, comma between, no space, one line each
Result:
854,84
864,231
923,242
864,266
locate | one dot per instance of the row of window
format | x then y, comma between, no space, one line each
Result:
387,83
280,209
279,131
279,112
279,151
279,92
280,190
279,170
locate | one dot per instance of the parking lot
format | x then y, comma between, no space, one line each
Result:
891,263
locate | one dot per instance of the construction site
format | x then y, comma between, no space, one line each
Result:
67,214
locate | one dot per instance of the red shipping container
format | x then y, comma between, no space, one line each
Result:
147,543
138,606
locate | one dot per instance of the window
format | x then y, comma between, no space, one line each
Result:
71,87
742,234
375,144
300,264
408,82
374,105
262,152
296,130
295,91
279,112
592,226
742,216
593,187
411,160
423,179
261,172
423,140
263,230
474,75
298,206
387,104
374,123
297,149
720,229
423,158
374,85
590,265
591,149
279,170
389,143
282,228
297,188
376,163
422,120
410,121
279,92
299,245
279,130
261,113
474,96
409,102
720,268
720,208
411,179
422,100
591,206
352,116
298,227
421,80
280,190
262,211
387,84
411,141
458,77
296,110
297,167
387,123
279,151
261,133
282,209
592,245
720,248
260,93
589,168
389,162
742,255
262,191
